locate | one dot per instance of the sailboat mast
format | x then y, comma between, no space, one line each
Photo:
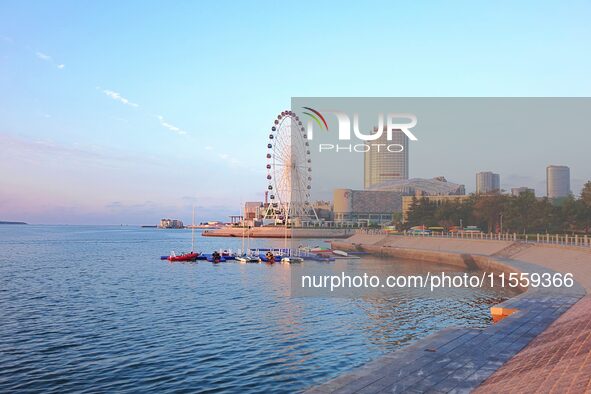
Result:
286,219
193,232
243,223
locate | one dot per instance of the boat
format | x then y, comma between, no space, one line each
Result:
228,255
246,255
340,253
292,260
269,257
319,257
319,250
315,250
216,257
191,256
248,259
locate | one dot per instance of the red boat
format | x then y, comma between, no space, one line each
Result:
183,257
191,256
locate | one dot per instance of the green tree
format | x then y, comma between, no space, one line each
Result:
582,216
583,209
569,212
586,194
549,216
488,209
422,212
522,212
447,214
412,211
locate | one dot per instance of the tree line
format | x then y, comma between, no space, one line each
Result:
500,212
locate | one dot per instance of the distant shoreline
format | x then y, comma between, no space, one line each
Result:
5,222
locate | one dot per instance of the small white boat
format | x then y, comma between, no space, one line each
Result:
292,260
248,259
340,253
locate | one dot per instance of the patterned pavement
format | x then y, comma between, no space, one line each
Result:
557,361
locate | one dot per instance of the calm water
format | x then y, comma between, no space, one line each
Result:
89,309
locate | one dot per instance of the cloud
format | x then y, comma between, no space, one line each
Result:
170,127
46,58
43,56
117,97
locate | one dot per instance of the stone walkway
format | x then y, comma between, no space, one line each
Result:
456,359
543,347
557,361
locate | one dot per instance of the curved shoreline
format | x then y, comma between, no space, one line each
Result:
459,359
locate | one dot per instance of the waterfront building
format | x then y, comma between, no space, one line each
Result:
438,199
253,210
516,191
557,181
488,182
381,165
323,210
383,201
365,206
171,223
419,186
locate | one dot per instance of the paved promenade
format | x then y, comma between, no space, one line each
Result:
557,361
540,348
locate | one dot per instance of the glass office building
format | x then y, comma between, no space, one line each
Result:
557,181
488,182
382,165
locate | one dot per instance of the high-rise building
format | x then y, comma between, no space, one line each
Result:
557,181
383,165
488,182
516,191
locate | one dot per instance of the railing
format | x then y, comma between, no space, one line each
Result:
551,239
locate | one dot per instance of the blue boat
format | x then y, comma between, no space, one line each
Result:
209,257
264,258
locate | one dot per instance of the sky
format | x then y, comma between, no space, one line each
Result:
127,112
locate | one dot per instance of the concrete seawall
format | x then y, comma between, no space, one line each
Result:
458,359
576,260
464,261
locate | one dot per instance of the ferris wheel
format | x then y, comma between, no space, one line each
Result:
289,170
